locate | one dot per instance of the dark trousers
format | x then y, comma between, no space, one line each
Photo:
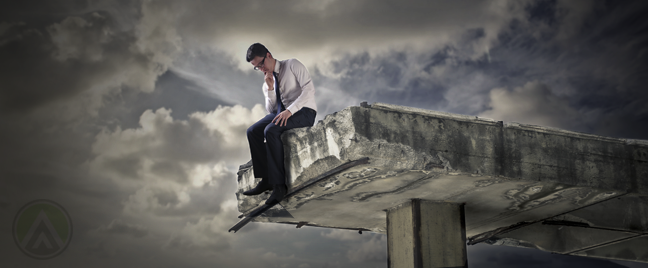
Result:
268,158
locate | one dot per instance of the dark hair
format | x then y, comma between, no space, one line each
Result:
256,49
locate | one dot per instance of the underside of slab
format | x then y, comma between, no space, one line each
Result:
522,185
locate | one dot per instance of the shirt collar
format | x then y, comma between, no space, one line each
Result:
277,66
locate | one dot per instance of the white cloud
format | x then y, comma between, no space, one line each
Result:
180,151
177,167
158,40
231,123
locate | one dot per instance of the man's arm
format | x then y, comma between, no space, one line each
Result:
306,95
304,80
270,95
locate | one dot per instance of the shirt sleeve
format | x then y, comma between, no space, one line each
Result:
304,80
270,99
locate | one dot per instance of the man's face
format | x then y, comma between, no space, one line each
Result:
263,63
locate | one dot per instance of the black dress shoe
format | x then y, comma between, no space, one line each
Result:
278,193
259,189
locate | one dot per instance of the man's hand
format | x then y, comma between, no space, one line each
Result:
269,78
282,118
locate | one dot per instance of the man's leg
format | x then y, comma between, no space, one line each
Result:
259,154
275,153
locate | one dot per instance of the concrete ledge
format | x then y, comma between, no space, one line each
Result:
507,174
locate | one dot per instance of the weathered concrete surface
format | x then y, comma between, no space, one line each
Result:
512,177
423,233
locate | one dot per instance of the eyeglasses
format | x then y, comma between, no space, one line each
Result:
256,68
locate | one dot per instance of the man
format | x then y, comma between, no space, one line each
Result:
290,102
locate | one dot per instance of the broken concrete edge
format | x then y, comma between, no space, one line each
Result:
301,186
380,106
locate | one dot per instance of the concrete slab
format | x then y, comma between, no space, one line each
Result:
510,176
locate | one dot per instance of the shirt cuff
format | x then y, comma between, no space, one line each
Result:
293,110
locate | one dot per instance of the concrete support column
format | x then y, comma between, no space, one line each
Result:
423,233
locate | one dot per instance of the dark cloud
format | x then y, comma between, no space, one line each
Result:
390,78
594,68
590,75
58,53
64,59
40,14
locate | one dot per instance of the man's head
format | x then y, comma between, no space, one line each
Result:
259,56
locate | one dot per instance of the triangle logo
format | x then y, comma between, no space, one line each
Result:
42,229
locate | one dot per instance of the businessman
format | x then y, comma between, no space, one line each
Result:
290,102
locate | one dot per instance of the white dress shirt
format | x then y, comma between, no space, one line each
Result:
295,86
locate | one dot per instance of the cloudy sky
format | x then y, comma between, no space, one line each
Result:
131,114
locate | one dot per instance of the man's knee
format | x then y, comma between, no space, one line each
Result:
250,131
272,130
254,131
